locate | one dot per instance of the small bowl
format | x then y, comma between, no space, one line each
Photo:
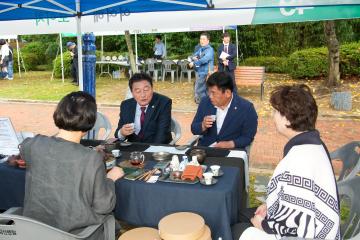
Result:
162,156
200,154
176,174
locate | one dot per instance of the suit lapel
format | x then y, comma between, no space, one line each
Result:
150,110
132,111
232,112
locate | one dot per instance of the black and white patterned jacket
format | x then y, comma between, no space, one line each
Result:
302,196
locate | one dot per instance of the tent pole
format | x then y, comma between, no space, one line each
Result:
237,47
165,46
18,56
79,46
136,52
102,48
61,57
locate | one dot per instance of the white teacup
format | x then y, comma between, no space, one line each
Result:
208,177
213,118
110,163
116,153
215,169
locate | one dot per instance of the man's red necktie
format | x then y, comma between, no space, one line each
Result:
142,120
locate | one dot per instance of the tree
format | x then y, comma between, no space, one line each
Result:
333,78
131,51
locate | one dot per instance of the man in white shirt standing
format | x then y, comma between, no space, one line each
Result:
159,48
224,119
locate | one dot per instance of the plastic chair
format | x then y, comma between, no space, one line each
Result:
184,69
349,190
150,64
176,130
101,122
167,68
350,159
13,226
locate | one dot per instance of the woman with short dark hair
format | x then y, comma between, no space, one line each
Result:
66,183
302,199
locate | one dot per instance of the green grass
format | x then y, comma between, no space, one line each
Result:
37,85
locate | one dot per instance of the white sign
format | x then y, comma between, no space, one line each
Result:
8,140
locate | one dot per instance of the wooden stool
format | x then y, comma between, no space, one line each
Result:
206,235
143,233
182,226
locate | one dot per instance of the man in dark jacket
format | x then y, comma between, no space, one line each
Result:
74,62
147,116
226,54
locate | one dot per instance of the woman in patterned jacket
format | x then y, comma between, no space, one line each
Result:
302,199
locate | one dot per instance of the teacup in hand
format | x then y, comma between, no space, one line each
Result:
137,158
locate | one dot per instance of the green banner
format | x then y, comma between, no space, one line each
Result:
302,14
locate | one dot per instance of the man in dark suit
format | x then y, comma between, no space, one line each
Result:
147,116
227,64
224,119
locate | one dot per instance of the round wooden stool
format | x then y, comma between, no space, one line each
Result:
143,233
182,226
206,235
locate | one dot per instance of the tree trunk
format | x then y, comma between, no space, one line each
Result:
333,79
131,51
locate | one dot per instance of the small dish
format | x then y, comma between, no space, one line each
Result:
181,147
161,156
125,144
220,173
213,182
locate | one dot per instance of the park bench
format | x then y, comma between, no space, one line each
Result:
250,76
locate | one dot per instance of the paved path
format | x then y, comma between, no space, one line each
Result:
265,153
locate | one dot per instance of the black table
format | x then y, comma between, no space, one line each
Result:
144,204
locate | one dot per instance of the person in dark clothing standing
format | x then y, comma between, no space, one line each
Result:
226,54
74,62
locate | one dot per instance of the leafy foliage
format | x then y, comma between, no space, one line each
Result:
271,64
67,65
350,59
308,63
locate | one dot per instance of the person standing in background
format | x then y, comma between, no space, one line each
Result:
203,62
10,63
74,62
226,54
159,48
4,60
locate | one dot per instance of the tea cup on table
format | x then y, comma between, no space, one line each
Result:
215,169
208,177
137,158
116,153
110,163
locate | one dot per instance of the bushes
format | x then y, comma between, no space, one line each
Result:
350,59
308,63
67,65
271,64
311,62
34,55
